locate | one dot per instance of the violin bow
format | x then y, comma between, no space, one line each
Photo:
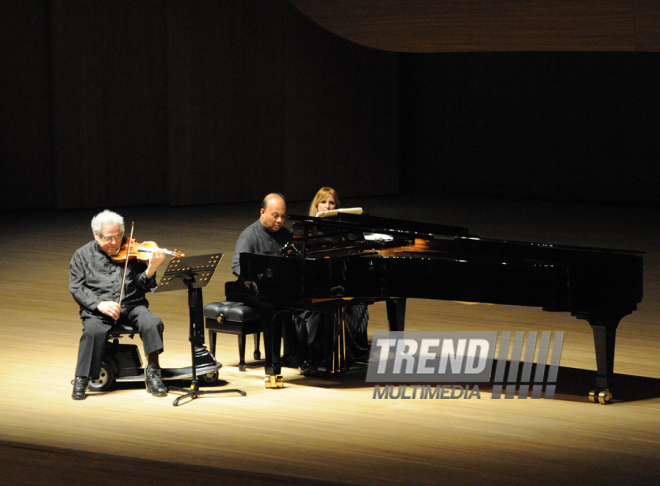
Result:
128,252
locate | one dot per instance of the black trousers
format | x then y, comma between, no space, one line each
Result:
310,329
95,334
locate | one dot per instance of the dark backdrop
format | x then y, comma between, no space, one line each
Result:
570,125
126,102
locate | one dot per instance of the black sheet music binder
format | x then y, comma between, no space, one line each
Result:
184,272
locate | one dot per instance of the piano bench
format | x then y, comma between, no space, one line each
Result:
233,318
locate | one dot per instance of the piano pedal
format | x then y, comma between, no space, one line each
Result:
601,396
274,381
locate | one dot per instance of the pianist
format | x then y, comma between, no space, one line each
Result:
267,234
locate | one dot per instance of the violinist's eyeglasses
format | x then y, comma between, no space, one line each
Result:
112,238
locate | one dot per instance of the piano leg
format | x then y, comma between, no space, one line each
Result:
604,341
604,325
396,313
272,343
271,324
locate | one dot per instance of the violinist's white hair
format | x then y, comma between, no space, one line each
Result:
104,218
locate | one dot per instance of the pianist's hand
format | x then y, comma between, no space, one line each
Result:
251,286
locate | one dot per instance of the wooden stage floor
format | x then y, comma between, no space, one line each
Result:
321,430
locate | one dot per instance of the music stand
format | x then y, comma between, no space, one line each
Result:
192,273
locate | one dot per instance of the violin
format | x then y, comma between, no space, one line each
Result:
141,251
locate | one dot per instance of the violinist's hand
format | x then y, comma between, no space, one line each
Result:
109,308
157,257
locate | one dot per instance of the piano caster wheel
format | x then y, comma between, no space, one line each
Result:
274,381
604,396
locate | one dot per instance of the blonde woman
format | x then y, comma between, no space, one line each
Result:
310,325
326,199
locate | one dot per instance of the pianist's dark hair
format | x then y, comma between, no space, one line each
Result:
268,196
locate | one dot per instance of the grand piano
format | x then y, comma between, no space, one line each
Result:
363,258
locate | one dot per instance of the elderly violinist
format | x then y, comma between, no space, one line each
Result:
95,282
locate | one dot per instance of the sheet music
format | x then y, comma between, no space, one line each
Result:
335,212
377,237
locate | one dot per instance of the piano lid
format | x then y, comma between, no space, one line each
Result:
352,232
365,223
348,231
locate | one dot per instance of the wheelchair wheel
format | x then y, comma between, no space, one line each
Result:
106,378
211,377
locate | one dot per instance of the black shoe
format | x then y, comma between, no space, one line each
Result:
154,384
307,368
79,387
289,361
